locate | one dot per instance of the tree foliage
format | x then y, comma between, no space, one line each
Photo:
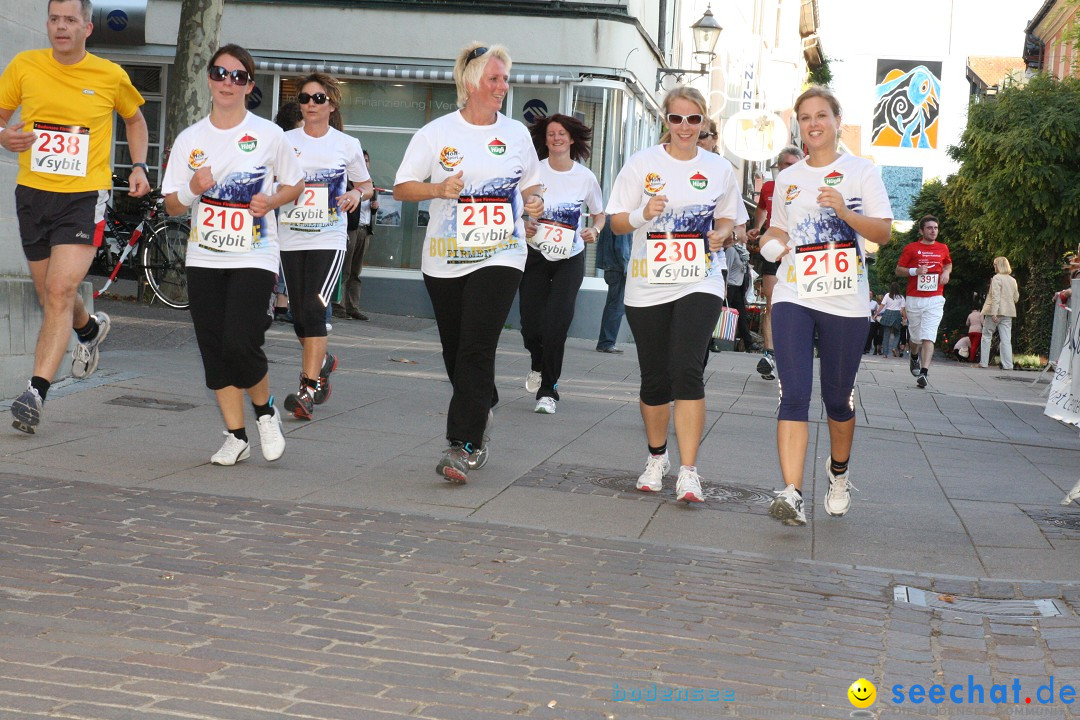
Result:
1017,192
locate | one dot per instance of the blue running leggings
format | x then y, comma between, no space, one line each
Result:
840,346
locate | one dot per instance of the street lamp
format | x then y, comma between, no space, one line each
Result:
706,33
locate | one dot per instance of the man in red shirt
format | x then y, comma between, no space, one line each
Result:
762,219
927,265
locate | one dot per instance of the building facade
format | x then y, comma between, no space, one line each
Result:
595,59
1051,39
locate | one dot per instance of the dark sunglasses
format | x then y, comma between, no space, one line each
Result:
239,77
676,119
705,135
319,98
476,52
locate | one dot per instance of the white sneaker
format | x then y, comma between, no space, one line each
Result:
233,451
652,480
688,486
838,498
788,507
1073,494
271,440
532,381
84,357
545,406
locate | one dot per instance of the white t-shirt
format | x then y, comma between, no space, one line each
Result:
244,159
796,211
891,302
559,233
328,163
498,161
698,191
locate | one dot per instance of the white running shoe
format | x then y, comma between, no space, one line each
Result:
688,486
84,357
545,406
766,367
1073,494
838,498
788,507
271,440
532,381
652,480
233,451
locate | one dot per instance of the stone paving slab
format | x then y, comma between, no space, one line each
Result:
143,603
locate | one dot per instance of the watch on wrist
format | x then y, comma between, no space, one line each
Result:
144,166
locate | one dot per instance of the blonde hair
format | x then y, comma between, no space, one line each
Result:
1001,265
686,93
468,72
819,92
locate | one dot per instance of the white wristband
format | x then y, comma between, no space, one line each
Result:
913,271
637,218
185,196
772,250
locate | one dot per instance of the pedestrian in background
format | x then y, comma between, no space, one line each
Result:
360,229
891,311
613,257
555,266
998,312
480,171
974,324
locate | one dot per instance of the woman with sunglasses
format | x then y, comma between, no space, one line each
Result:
313,230
824,209
555,266
480,171
680,203
223,168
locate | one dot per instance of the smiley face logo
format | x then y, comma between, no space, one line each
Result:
862,693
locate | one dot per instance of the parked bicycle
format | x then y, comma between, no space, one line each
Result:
154,247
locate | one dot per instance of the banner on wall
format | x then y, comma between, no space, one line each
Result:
906,107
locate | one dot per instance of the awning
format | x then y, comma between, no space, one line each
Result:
398,73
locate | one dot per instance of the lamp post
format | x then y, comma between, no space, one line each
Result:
706,32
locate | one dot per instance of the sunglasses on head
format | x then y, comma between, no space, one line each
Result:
318,98
705,135
476,52
239,77
676,119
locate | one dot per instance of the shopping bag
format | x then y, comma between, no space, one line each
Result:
726,325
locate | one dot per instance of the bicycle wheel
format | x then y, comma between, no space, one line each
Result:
163,259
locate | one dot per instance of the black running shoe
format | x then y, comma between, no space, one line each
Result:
322,393
921,381
914,365
766,367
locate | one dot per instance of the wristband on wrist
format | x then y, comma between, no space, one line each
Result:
913,271
144,166
637,218
185,196
772,250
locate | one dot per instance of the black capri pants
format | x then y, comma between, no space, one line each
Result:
229,310
311,278
671,343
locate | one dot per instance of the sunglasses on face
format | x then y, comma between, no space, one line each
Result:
238,77
676,119
317,98
477,52
705,135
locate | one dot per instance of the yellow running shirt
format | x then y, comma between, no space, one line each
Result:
70,107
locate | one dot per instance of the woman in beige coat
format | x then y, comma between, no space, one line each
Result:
998,313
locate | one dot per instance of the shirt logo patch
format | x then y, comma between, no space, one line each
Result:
654,183
88,91
196,159
699,181
449,158
834,178
790,194
497,147
247,143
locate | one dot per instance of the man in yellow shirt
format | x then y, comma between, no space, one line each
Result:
67,97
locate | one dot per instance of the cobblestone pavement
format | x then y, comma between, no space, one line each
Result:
128,603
